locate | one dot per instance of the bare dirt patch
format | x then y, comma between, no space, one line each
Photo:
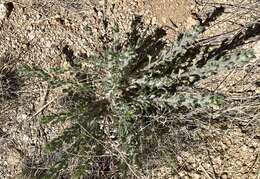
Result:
172,12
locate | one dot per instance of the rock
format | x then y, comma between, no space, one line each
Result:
3,11
257,49
196,176
6,10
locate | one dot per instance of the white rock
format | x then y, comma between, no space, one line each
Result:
257,49
3,11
